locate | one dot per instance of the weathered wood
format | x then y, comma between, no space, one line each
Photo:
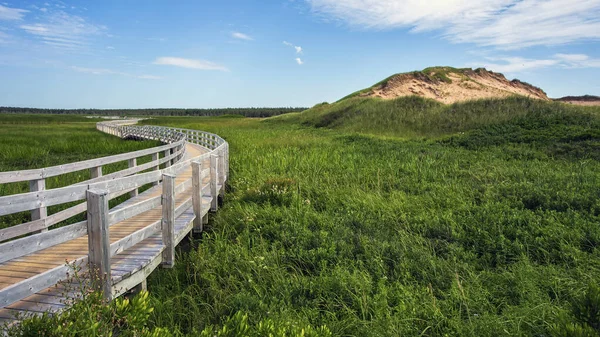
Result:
41,212
213,183
155,157
133,210
221,172
26,175
134,238
32,285
197,168
96,172
27,245
98,240
27,201
131,163
168,220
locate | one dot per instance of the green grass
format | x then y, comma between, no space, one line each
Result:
36,141
476,219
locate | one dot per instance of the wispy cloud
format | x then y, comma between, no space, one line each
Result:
190,63
62,30
505,24
299,61
297,48
105,71
241,36
519,64
8,13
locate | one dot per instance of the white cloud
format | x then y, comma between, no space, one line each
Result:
519,64
110,47
190,63
63,30
506,24
298,48
7,13
299,61
241,36
515,64
572,57
104,71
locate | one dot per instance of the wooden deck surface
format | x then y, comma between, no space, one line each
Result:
128,268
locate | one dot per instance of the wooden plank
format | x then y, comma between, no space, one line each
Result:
134,238
26,175
32,285
168,220
133,210
98,242
27,245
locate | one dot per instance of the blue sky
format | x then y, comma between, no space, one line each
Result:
239,53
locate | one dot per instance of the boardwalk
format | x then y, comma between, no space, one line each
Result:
137,244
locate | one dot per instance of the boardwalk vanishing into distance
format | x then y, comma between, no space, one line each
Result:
117,248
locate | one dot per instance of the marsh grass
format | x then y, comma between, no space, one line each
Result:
471,234
399,218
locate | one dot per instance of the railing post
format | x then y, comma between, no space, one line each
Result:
197,168
213,183
168,162
133,163
99,241
96,172
41,212
168,220
155,158
221,172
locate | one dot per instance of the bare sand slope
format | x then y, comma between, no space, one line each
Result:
450,85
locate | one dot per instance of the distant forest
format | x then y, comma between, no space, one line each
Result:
247,112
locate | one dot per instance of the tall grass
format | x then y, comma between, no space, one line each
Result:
487,226
374,236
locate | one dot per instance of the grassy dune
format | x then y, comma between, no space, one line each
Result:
397,218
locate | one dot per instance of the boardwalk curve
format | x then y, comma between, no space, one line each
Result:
116,248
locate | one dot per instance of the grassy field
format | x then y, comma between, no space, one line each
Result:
36,141
398,218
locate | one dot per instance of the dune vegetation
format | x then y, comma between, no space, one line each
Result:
401,217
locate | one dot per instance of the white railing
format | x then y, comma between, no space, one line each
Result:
35,235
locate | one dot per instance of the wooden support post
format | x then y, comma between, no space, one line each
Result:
96,172
133,163
213,183
197,194
221,172
155,157
168,162
41,212
98,241
168,220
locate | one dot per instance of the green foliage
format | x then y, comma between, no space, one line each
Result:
486,227
414,116
380,236
90,315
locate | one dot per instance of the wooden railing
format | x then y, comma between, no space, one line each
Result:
37,234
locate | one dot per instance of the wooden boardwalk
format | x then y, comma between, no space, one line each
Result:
136,245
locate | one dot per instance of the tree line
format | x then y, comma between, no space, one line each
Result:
247,112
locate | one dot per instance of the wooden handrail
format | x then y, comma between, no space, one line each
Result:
98,190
